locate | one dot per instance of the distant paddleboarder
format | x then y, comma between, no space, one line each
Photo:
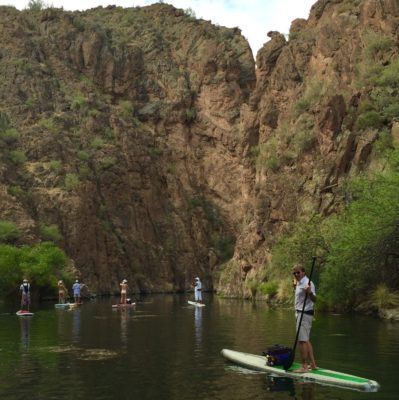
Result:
124,288
25,294
62,291
198,290
76,291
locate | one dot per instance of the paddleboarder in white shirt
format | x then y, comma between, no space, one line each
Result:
198,290
301,287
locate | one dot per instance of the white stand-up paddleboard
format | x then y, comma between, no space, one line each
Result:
62,306
318,375
116,306
195,303
24,313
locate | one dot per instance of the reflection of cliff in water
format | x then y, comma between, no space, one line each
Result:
25,332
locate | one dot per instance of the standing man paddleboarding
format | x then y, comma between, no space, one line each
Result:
303,285
25,294
198,290
76,291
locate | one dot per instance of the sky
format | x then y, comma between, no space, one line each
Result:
255,18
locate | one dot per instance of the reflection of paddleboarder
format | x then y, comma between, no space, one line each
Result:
25,295
198,323
124,320
25,332
76,325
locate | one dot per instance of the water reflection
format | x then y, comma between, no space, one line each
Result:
76,325
306,391
278,384
297,390
161,349
198,324
125,314
25,332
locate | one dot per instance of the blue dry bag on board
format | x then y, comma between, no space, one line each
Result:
277,354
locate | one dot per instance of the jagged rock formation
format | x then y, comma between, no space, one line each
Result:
308,97
136,131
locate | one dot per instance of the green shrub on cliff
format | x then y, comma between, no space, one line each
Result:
369,119
4,121
381,78
375,42
127,108
266,155
9,232
9,136
37,5
315,90
55,165
224,245
50,232
306,238
71,181
18,157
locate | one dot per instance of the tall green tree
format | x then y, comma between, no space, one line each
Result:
365,249
42,264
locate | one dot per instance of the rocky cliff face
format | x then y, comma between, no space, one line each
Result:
128,138
135,132
309,95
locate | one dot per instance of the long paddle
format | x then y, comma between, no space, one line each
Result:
288,363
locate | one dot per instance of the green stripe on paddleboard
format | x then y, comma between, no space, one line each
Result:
338,375
323,372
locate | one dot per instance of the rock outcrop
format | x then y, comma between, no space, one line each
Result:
134,143
308,96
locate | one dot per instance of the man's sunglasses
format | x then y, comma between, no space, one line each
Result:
296,273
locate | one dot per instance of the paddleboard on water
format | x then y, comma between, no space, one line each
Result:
24,313
195,303
318,375
62,306
116,306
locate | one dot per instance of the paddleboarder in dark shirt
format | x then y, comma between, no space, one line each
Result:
25,294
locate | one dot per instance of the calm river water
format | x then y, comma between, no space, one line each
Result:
166,349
